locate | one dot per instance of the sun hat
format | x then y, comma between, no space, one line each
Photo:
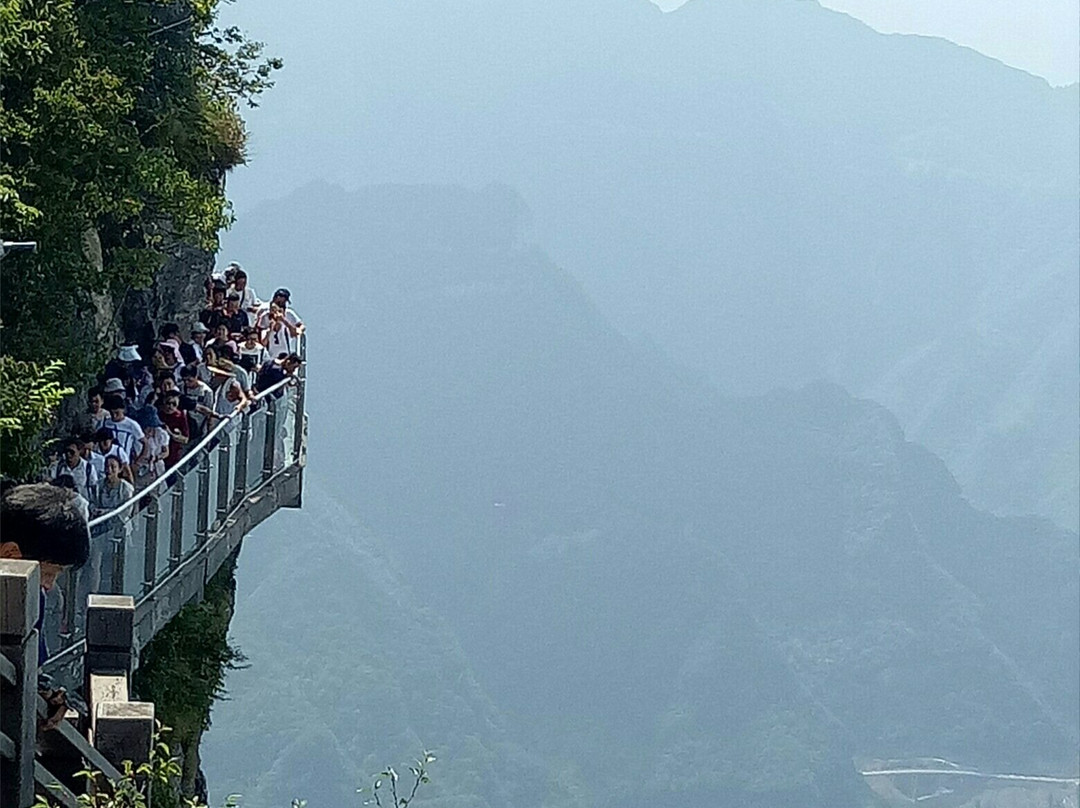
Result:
200,328
148,417
129,353
113,385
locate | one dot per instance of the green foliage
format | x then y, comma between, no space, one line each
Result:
119,122
130,791
29,396
384,785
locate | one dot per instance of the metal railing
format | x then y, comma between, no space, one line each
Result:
134,547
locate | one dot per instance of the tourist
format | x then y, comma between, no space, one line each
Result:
91,455
252,352
126,431
167,357
274,370
236,319
95,414
155,459
249,301
169,331
107,447
124,366
214,312
281,299
115,386
229,396
113,492
83,475
280,335
191,352
202,398
176,423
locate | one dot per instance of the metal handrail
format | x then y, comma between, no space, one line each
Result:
164,479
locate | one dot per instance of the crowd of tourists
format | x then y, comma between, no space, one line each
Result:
155,403
152,405
148,410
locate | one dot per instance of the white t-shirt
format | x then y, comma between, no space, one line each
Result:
279,341
202,394
119,452
84,475
222,405
158,441
258,352
129,435
97,460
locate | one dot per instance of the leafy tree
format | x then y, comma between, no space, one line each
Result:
29,395
119,120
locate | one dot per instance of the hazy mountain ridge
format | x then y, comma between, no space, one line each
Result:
771,191
642,575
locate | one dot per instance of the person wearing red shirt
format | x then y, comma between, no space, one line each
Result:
176,422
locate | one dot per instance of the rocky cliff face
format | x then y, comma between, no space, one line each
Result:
175,296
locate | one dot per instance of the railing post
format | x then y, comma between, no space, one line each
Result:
119,540
110,638
298,399
176,526
240,480
150,561
20,583
224,490
71,596
202,522
270,438
122,730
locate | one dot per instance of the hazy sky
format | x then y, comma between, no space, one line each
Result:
1039,36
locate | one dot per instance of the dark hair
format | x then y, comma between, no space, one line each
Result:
64,481
94,391
169,329
294,357
115,403
104,434
239,273
188,372
46,523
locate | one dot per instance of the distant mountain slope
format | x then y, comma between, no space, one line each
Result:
772,191
660,593
350,673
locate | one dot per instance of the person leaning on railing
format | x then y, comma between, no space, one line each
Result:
276,370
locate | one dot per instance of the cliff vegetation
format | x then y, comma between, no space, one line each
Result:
119,123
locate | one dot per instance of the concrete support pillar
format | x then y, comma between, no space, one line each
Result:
20,585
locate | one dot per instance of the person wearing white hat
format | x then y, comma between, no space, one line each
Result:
113,385
125,365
